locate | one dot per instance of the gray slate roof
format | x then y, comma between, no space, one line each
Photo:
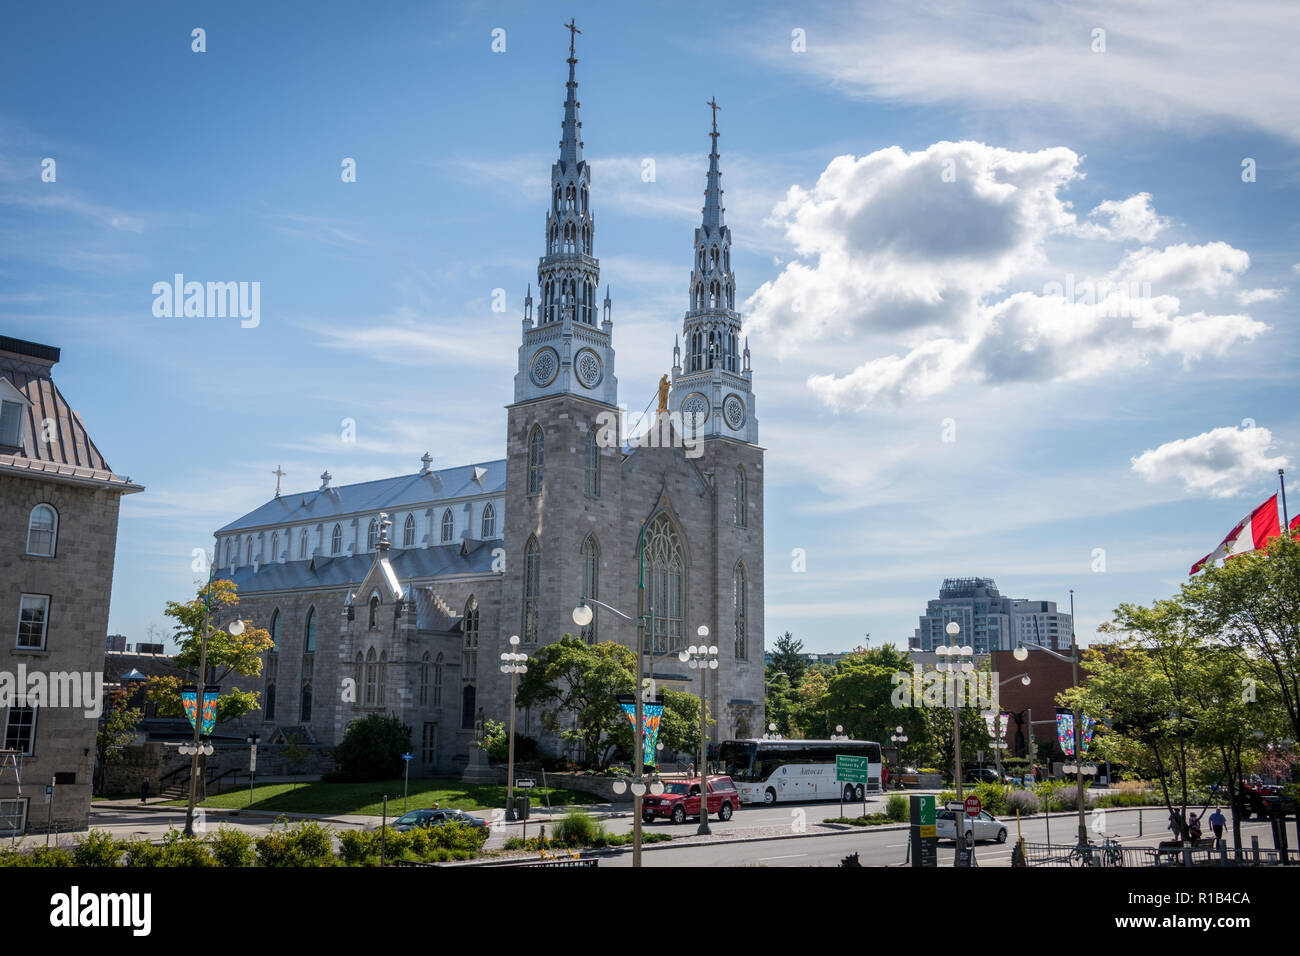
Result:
384,494
348,571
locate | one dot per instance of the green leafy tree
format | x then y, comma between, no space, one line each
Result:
116,730
372,749
782,703
227,653
573,681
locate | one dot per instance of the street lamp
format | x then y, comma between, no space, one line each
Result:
514,664
703,658
234,628
898,738
954,654
1021,653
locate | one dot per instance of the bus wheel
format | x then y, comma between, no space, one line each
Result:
769,795
860,793
848,792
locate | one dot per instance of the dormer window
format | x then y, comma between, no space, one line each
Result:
11,423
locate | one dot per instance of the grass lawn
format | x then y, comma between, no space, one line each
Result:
366,798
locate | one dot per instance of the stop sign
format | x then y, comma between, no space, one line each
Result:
973,806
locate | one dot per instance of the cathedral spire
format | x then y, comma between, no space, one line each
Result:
571,145
713,208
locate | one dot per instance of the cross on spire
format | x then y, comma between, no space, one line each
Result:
713,102
572,27
278,475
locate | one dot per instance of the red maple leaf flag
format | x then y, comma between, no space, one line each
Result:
1254,531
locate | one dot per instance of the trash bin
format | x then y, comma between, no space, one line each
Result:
521,807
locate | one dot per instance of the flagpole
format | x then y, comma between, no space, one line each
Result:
1286,519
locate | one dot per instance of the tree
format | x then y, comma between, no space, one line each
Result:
116,730
372,749
226,653
572,677
787,656
1253,604
781,703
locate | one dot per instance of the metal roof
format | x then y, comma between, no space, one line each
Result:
384,494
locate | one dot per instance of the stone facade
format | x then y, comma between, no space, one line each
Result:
55,465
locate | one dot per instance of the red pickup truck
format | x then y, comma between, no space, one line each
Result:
681,799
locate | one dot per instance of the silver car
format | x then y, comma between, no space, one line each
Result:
980,828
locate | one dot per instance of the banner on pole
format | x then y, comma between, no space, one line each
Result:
653,713
1065,731
189,703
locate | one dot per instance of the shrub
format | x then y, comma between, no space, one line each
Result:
306,843
97,848
372,749
181,850
51,856
458,836
139,852
356,846
993,796
578,829
1026,801
231,847
896,807
1067,798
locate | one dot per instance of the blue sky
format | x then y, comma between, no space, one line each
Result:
904,193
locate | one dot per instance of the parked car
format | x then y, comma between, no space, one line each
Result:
681,799
1255,796
982,827
435,818
983,775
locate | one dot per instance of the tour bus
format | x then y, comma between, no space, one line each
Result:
768,771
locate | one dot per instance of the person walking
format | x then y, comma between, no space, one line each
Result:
144,790
1217,821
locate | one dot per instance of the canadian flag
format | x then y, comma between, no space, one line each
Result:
1254,531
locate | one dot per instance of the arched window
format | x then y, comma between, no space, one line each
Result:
248,550
275,630
268,699
468,696
469,643
590,582
536,456
408,532
437,682
663,551
593,465
302,545
42,531
309,646
372,535
739,601
374,611
306,702
336,540
489,521
741,513
359,675
532,589
275,546
426,676
308,667
383,678
232,551
372,677
448,526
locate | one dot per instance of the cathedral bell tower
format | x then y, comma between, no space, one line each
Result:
567,346
713,390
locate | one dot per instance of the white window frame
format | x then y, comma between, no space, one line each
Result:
45,623
31,741
22,417
54,532
24,803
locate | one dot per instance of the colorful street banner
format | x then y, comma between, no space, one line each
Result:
653,716
998,732
189,703
1065,731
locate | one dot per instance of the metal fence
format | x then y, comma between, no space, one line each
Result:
1114,856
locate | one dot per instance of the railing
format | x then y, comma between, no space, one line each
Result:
1114,855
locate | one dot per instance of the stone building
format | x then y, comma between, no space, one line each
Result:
58,523
408,589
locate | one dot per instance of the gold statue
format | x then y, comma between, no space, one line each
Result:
663,394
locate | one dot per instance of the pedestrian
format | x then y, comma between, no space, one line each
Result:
144,789
1217,820
1194,827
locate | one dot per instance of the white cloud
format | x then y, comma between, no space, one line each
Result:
1165,64
1132,218
1220,462
1208,268
1248,296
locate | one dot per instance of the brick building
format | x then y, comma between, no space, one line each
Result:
418,616
59,504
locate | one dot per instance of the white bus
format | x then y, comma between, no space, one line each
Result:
769,771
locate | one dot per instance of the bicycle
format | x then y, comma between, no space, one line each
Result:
1110,854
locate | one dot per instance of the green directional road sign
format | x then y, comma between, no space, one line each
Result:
851,769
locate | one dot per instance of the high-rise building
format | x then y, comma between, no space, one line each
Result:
989,621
